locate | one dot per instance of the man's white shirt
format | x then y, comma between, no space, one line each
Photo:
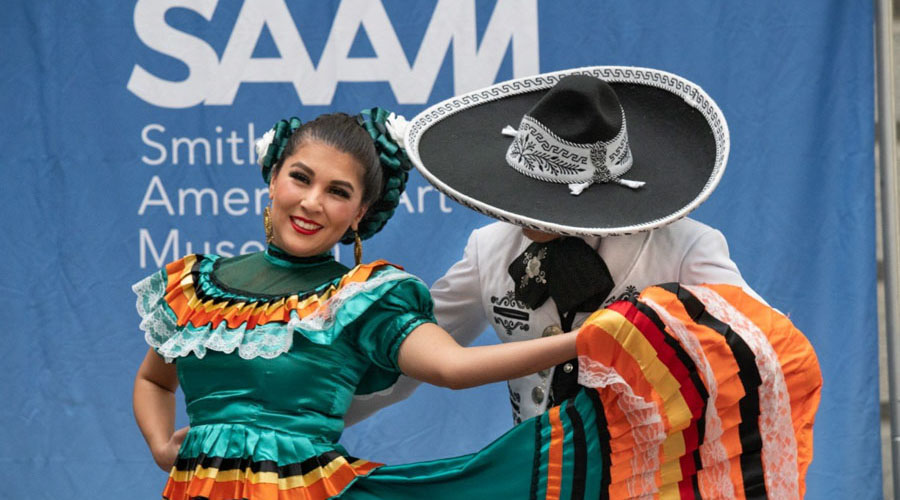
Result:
477,292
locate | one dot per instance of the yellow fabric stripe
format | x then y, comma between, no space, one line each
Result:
247,475
187,286
669,491
666,386
674,445
656,373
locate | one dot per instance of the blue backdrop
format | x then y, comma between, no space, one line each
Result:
126,133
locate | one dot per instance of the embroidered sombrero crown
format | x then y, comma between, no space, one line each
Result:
575,135
580,133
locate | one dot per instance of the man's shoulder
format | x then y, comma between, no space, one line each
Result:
674,240
496,237
682,229
497,231
496,241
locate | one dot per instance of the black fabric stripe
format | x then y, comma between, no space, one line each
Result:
536,462
207,498
506,312
685,360
284,471
579,472
603,437
695,485
278,253
751,440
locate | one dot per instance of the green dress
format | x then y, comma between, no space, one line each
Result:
270,350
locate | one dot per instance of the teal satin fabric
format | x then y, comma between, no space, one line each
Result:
513,466
302,393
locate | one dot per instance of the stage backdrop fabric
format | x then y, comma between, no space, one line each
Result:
126,143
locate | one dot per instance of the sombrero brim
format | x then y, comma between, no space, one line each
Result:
679,140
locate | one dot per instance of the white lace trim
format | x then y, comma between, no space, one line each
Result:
322,319
643,416
779,452
714,479
266,341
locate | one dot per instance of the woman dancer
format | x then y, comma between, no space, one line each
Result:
270,348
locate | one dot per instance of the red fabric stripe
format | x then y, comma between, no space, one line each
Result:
666,354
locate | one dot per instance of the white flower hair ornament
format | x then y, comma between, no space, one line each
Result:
262,146
397,126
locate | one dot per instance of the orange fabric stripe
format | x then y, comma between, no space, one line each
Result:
603,346
685,392
730,389
608,337
188,308
621,444
555,455
672,407
799,364
322,489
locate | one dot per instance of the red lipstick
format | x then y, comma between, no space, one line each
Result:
306,222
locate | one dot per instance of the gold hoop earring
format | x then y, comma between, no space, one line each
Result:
357,247
267,224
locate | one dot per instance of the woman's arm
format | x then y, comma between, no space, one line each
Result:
431,355
154,409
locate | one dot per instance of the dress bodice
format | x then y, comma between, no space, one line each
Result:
257,342
304,391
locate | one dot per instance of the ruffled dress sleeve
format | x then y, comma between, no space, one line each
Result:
403,308
157,321
379,313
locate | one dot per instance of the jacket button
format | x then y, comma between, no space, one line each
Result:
568,367
551,331
537,395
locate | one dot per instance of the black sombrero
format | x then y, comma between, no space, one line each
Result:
673,150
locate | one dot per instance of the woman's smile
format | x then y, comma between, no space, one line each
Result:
305,226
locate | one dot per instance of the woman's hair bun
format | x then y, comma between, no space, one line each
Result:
395,167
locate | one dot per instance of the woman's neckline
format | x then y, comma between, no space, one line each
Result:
277,256
308,274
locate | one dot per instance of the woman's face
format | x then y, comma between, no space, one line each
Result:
316,195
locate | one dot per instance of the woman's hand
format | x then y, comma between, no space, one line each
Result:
166,454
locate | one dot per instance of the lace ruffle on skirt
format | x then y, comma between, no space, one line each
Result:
704,388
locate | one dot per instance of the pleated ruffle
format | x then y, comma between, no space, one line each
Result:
706,393
182,312
228,462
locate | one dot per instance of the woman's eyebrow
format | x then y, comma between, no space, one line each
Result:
311,173
302,166
344,184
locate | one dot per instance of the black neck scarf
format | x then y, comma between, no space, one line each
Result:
567,269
